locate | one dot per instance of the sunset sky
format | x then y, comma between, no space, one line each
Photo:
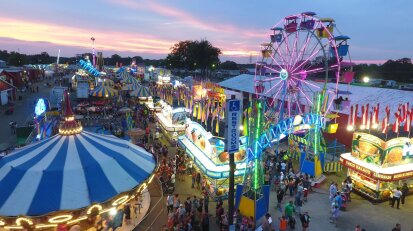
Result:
379,30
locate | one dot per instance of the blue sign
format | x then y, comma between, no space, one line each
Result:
234,105
233,123
40,107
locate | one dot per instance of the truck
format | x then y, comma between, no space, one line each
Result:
388,83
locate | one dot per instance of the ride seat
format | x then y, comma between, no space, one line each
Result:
276,38
291,27
308,25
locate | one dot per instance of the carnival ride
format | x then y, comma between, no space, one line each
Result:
294,95
86,65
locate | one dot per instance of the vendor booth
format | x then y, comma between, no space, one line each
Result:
207,152
172,121
377,167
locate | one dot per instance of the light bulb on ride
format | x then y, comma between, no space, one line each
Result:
350,128
363,126
366,79
113,211
375,126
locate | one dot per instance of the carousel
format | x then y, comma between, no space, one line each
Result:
70,178
210,158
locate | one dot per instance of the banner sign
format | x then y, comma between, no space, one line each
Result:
233,117
375,175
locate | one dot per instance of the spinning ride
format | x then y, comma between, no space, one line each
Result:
293,94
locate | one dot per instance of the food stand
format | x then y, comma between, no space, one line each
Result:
172,121
377,167
154,107
207,152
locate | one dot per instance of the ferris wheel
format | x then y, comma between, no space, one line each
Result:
302,59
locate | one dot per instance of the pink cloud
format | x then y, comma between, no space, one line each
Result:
187,18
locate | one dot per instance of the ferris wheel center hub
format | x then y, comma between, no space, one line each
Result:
284,74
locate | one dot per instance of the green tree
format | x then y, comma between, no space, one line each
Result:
193,55
115,58
16,59
229,65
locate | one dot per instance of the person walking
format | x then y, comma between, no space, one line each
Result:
305,220
335,212
333,191
396,197
405,192
283,224
170,203
266,224
289,210
205,221
280,195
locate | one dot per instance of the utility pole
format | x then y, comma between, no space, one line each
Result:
232,131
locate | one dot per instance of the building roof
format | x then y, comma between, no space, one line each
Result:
4,85
356,94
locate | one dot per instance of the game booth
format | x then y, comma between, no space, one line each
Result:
377,167
207,152
172,121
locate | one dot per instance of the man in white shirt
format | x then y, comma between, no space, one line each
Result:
396,197
283,165
170,203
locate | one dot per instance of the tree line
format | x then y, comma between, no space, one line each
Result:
17,59
202,55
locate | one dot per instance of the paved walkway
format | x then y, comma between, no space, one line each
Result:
23,112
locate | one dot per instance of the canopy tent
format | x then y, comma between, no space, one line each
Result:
70,172
131,87
130,80
123,74
105,82
142,92
103,91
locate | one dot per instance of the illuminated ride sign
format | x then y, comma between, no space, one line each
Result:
288,126
40,107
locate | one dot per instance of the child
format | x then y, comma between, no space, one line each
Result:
283,223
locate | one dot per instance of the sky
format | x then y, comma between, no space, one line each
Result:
379,30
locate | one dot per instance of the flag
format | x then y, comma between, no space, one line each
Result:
384,124
368,121
396,122
363,115
408,121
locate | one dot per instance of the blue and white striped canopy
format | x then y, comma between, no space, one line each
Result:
70,172
142,92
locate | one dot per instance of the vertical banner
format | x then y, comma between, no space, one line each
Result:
233,118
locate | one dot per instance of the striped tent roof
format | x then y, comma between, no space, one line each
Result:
130,80
103,91
123,74
141,92
131,87
70,172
